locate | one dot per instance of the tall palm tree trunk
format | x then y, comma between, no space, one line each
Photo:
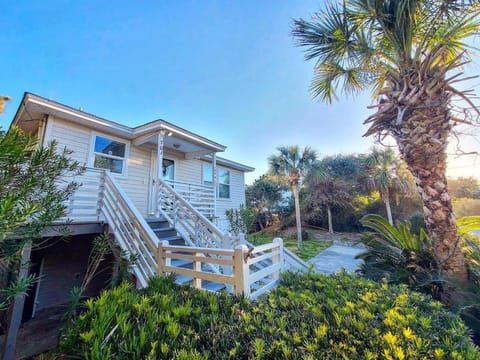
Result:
297,216
386,201
329,217
422,140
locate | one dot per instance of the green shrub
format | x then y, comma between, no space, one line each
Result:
308,316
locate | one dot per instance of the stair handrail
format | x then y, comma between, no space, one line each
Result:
195,228
130,228
289,257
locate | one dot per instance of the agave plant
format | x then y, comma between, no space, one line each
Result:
396,254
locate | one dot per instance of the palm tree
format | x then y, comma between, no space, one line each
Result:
405,51
291,164
383,176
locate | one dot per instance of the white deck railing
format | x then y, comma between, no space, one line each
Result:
243,270
84,204
130,229
194,227
291,261
200,196
240,270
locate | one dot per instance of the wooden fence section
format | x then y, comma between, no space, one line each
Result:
240,270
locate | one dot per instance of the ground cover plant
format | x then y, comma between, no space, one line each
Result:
309,316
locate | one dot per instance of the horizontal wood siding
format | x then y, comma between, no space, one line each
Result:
71,136
135,183
185,170
237,197
137,179
77,138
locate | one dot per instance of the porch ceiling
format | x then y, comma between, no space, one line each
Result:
175,143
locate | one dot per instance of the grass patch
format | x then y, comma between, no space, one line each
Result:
311,247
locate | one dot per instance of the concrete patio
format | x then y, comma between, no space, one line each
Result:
336,258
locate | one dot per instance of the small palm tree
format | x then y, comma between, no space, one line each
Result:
405,52
384,177
291,164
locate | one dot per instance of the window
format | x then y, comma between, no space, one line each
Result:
223,184
207,174
109,154
168,167
223,190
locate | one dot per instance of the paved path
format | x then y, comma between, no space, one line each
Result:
337,257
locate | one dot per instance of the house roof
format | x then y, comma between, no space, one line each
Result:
32,103
193,145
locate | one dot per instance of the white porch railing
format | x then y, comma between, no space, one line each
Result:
201,197
130,229
251,271
240,270
84,204
194,227
291,261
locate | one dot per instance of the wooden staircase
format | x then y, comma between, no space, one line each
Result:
183,241
164,232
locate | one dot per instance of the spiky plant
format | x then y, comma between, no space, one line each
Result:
395,253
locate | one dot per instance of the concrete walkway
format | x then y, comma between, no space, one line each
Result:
336,258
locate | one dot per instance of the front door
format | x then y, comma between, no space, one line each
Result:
168,174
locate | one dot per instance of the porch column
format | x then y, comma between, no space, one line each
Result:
158,176
215,190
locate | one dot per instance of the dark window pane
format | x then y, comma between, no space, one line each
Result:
224,191
114,165
109,147
168,167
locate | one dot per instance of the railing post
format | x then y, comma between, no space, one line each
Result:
242,239
241,271
227,269
197,267
175,212
162,257
196,235
278,258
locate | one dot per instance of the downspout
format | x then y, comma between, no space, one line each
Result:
215,190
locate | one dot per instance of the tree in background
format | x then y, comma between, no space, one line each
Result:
383,175
263,196
464,188
405,51
332,182
290,164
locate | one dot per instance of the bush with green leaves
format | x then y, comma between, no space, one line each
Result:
241,220
309,316
34,187
398,255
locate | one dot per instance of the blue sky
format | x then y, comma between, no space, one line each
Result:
227,70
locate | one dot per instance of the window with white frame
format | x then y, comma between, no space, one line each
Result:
223,184
109,154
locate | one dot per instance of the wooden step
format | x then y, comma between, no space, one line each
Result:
162,232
